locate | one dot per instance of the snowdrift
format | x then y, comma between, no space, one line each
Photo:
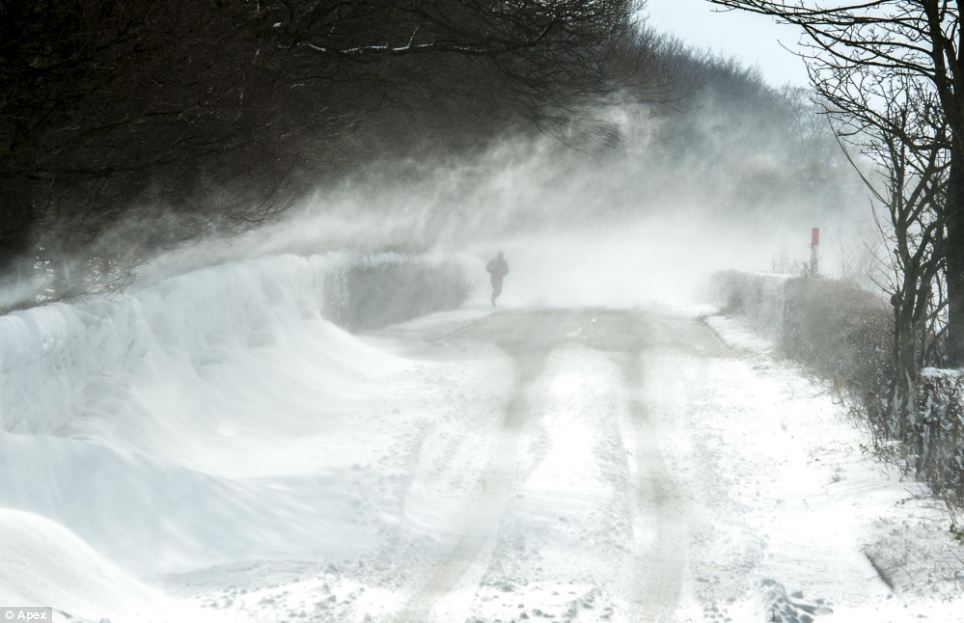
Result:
44,564
175,425
65,361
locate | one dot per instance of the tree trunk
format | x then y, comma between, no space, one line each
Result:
905,367
954,214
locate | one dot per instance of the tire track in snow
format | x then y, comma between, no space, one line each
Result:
528,338
658,507
495,492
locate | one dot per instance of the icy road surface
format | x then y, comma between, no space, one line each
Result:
523,465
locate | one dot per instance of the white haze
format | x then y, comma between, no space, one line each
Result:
608,219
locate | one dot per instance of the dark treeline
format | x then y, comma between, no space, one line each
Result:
107,104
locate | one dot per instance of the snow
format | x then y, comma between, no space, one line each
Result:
813,502
44,564
738,335
939,372
209,447
567,522
148,422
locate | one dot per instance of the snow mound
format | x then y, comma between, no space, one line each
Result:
149,516
44,564
200,361
101,356
204,418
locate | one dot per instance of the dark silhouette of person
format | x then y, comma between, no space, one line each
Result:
497,269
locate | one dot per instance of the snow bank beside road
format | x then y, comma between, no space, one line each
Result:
213,416
149,515
44,565
813,501
62,361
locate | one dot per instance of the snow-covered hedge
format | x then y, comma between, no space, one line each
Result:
846,334
832,326
760,297
837,329
373,293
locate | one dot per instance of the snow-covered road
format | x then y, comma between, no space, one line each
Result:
598,465
568,465
574,509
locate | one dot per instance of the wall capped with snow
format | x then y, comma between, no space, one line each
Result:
54,358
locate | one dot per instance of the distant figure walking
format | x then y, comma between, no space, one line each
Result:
498,269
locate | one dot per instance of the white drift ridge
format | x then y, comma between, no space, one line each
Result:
53,358
174,425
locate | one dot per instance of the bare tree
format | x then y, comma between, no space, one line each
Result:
905,140
859,52
539,55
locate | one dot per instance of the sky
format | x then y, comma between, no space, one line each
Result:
755,39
